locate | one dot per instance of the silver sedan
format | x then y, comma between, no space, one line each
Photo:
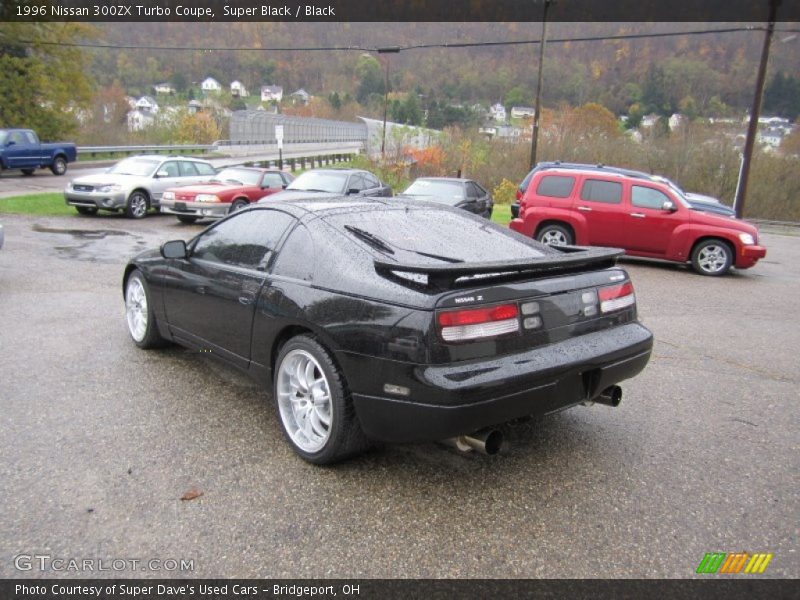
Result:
135,184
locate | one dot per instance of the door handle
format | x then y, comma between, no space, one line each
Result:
247,299
585,208
638,215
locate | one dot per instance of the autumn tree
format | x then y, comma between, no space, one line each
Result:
43,85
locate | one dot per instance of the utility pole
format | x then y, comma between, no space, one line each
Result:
538,106
387,50
755,113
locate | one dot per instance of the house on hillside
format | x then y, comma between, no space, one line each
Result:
498,112
164,88
522,112
238,90
209,85
270,93
300,97
147,105
194,107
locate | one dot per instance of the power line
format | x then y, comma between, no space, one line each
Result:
630,36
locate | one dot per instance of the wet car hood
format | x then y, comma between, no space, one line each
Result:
209,188
716,220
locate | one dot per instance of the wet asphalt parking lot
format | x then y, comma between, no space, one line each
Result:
99,440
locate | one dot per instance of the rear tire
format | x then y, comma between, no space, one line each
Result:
712,258
313,403
139,313
59,166
137,205
86,210
555,235
187,220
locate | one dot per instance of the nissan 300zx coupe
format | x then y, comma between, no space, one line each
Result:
384,320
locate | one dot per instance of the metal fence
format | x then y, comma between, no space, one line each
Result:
258,127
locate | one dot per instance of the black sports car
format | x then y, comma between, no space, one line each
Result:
375,319
466,194
332,182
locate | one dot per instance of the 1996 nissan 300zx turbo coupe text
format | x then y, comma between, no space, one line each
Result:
383,320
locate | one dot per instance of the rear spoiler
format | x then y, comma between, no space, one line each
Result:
571,258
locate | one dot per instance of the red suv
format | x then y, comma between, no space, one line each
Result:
645,217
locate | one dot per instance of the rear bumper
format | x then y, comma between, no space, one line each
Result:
748,256
450,400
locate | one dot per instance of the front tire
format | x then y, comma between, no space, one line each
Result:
137,205
59,166
555,235
712,257
139,313
86,210
237,204
314,405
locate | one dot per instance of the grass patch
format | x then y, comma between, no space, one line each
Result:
51,204
501,214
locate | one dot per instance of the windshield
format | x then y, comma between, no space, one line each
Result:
140,167
242,176
319,181
448,192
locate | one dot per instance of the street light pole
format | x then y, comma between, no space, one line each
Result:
387,50
538,106
755,112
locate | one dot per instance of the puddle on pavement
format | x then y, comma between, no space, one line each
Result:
94,245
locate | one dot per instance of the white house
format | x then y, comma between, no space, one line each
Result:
522,112
238,90
498,111
675,121
300,97
147,105
194,107
210,84
649,121
164,88
271,92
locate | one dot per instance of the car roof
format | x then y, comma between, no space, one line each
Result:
163,157
338,170
452,179
601,168
258,169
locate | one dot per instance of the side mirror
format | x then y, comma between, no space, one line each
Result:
161,174
173,249
668,205
10,143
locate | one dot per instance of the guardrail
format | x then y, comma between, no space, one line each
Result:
94,151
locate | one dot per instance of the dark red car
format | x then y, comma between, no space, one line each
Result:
233,188
638,213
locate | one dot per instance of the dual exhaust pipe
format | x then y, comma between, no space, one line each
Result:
490,441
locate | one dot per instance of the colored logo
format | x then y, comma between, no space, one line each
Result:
738,562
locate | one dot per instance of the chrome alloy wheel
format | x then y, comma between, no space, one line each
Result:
713,258
138,205
136,308
304,401
554,237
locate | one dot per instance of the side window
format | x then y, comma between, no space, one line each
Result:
596,190
645,197
272,180
296,259
188,169
30,138
287,179
371,180
555,186
356,183
17,137
204,168
170,168
245,240
474,191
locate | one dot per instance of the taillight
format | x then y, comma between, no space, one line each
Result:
474,323
616,297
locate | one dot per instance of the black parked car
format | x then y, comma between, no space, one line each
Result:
709,204
332,182
459,193
384,320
